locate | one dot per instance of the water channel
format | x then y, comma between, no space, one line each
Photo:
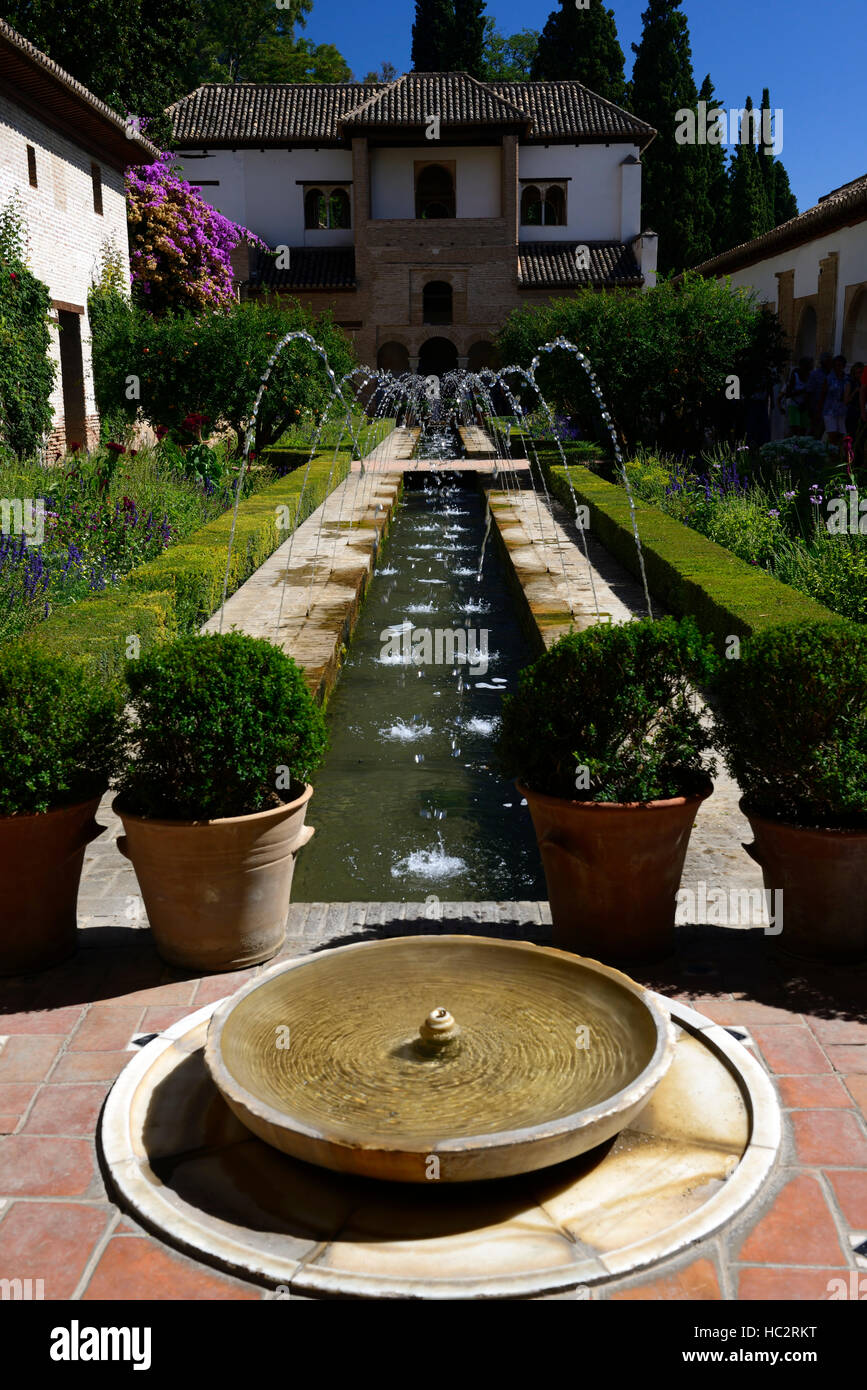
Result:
409,801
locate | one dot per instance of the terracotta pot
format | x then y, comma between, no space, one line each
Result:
217,892
613,870
40,869
822,875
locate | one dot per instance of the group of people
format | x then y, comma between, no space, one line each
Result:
828,401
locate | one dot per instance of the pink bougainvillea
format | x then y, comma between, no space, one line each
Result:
180,247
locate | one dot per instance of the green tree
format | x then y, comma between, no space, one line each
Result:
780,199
508,59
237,30
279,58
386,72
750,214
432,35
26,370
582,44
715,179
662,86
468,35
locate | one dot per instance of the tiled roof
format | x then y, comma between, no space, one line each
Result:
310,268
560,110
67,103
841,208
455,97
265,113
250,113
551,265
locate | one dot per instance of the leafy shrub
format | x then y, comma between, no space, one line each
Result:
210,367
617,700
791,722
61,733
216,719
662,358
26,370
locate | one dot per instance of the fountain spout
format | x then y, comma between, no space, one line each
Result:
438,1034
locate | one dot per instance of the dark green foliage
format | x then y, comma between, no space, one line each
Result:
432,34
61,732
211,365
662,358
687,573
217,720
618,701
508,59
468,35
26,370
791,722
583,44
713,184
662,84
750,213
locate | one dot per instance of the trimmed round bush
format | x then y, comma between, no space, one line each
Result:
791,723
617,700
218,720
61,732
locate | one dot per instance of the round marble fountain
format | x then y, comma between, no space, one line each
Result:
439,1117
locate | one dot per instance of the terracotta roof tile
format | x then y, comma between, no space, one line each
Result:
552,265
310,268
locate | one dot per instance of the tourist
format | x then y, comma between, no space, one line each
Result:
794,398
852,399
831,403
815,388
759,402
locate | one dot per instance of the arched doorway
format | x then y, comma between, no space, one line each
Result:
805,342
437,356
481,355
855,333
393,357
434,192
436,302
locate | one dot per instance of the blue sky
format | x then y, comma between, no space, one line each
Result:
812,56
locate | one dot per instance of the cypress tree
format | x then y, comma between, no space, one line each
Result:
716,178
785,202
582,44
781,201
432,36
749,211
663,84
468,38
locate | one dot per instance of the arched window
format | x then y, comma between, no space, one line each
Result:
434,192
531,207
315,209
436,302
554,211
338,208
394,358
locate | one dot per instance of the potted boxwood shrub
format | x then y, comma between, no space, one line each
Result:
213,799
608,744
791,722
61,740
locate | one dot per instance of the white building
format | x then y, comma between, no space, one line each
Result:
62,155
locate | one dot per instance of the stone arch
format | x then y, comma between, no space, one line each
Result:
393,357
315,209
531,207
855,329
481,354
437,356
805,338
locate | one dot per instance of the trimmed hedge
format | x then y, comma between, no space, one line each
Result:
180,589
686,573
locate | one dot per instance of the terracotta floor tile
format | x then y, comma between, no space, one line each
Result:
25,1057
175,992
51,1241
214,987
158,1019
832,1138
90,1066
850,1190
36,1167
44,1021
789,1285
848,1059
136,1267
697,1281
857,1087
72,1110
107,1028
799,1229
839,1030
790,1049
15,1097
9,1123
748,1012
805,1092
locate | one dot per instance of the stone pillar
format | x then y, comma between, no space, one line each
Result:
360,187
826,308
786,304
462,360
413,361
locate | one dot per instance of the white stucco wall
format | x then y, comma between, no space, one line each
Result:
596,208
260,190
477,179
65,235
851,245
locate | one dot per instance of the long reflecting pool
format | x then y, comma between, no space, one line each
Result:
409,802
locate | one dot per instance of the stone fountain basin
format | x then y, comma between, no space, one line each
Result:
319,1057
